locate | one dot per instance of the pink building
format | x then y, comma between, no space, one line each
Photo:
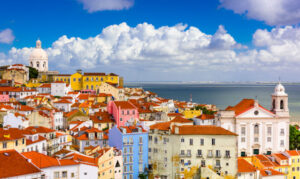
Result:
123,112
4,97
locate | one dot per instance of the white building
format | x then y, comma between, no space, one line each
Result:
38,58
64,168
260,131
44,88
177,148
58,120
15,120
63,104
59,88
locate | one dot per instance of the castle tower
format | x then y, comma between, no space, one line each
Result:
38,58
280,101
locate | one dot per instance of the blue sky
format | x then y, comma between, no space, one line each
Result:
242,32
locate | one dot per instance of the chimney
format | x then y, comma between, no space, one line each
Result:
79,71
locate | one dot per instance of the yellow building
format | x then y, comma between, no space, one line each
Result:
62,77
115,91
191,113
106,163
76,81
12,138
294,169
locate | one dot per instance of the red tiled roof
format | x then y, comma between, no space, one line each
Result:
45,85
39,129
243,106
270,172
206,116
202,130
10,134
132,129
293,152
93,74
13,164
124,105
25,108
63,101
244,166
174,114
40,138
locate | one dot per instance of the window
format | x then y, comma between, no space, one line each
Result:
4,145
209,153
87,86
191,141
141,140
149,149
213,141
199,153
150,138
16,142
133,112
127,112
86,79
182,152
130,150
255,139
201,141
56,174
64,174
141,149
202,163
281,131
227,153
97,79
281,143
121,119
243,139
269,130
269,139
243,130
74,79
155,140
281,104
218,163
218,153
23,141
256,129
125,150
182,140
188,152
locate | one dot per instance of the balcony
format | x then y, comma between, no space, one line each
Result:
227,156
127,143
217,167
185,155
218,156
210,156
198,155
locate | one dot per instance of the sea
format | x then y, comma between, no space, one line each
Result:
223,95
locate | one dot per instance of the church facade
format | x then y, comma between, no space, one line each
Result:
260,131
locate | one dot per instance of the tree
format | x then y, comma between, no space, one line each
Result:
294,138
33,73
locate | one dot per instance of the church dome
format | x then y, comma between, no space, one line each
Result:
38,53
279,90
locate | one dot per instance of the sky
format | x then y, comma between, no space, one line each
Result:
158,40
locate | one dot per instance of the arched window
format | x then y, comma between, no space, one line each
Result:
281,104
37,64
256,129
44,65
273,104
87,86
92,87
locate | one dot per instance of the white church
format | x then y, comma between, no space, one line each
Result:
38,58
260,131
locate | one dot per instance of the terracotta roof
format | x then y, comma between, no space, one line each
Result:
39,129
244,166
45,85
132,129
174,114
63,101
163,126
101,117
206,116
25,108
10,134
14,164
179,119
40,138
94,74
293,152
280,156
41,160
270,172
83,96
202,130
243,106
124,105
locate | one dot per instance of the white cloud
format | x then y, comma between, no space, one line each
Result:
101,5
6,36
272,12
172,53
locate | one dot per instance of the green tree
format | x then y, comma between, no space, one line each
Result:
33,73
294,138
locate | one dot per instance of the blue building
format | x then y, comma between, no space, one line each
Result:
133,141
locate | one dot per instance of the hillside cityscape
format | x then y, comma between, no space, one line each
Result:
88,125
